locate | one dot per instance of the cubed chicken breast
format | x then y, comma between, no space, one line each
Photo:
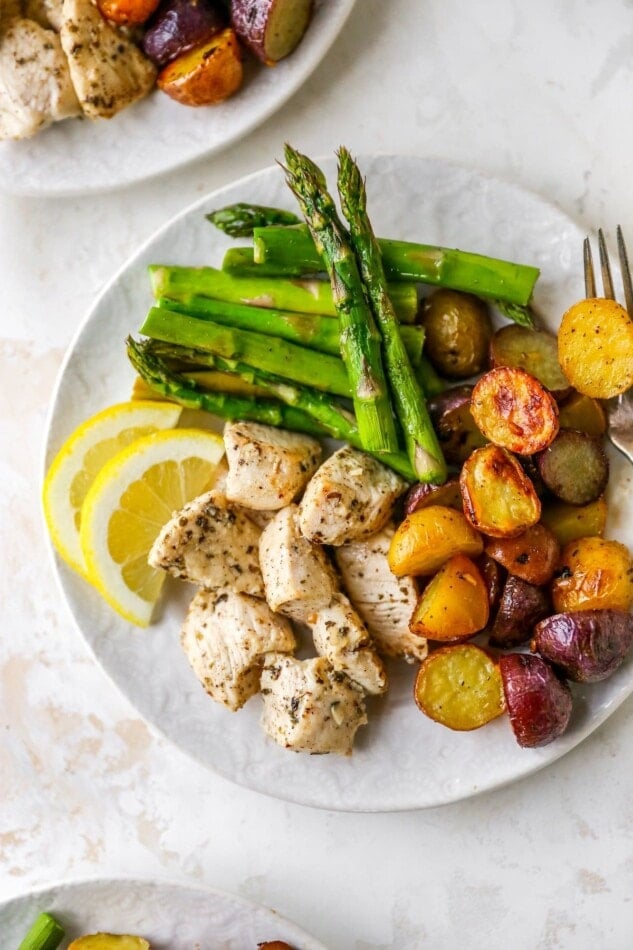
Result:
35,83
298,578
108,71
351,496
268,467
340,635
309,706
385,602
212,545
226,637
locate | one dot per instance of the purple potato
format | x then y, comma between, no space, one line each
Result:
454,424
574,467
587,645
494,577
271,28
179,26
521,606
421,495
539,703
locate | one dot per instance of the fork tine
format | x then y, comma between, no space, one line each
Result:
605,269
587,259
626,271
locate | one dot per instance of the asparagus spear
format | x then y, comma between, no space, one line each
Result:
337,422
302,296
293,252
311,330
296,363
239,262
45,934
360,339
423,447
238,220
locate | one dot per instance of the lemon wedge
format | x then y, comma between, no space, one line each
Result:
130,500
83,455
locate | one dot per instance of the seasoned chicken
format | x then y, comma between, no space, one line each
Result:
268,467
298,578
309,706
340,635
226,637
351,496
47,13
212,545
107,70
35,85
385,602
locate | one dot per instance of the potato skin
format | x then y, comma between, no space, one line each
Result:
539,703
586,645
181,25
532,556
207,74
427,538
454,424
535,351
454,604
498,497
258,25
460,687
421,495
595,574
595,347
574,467
514,410
494,577
458,330
521,606
570,522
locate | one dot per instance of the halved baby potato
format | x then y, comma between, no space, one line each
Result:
514,410
428,537
205,75
460,687
499,499
532,556
584,414
595,347
454,604
271,28
570,522
596,574
535,351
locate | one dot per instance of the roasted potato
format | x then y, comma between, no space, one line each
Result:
458,330
532,556
181,25
460,687
271,28
586,645
595,347
127,12
582,413
207,74
454,604
520,607
427,538
422,495
539,703
104,941
535,351
494,577
574,467
595,574
570,522
454,424
274,945
498,497
514,410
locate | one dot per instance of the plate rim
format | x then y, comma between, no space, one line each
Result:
556,751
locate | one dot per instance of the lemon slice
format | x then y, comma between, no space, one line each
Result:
130,500
83,455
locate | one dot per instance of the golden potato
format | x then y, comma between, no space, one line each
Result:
460,687
570,522
454,605
584,414
596,574
499,498
595,347
430,536
207,74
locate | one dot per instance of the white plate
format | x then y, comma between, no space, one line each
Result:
402,759
157,134
172,916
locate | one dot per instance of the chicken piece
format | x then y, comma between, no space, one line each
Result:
226,637
35,84
340,635
351,496
309,706
385,602
107,70
48,13
268,467
212,545
298,578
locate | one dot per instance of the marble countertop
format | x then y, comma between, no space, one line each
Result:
535,94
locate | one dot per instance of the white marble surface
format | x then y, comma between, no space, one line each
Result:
537,94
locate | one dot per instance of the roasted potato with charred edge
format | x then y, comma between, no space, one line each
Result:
514,410
586,645
498,497
205,75
539,703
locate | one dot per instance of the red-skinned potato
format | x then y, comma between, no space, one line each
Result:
498,497
532,556
181,25
205,75
514,410
586,645
271,28
520,607
127,12
539,703
422,495
460,687
454,424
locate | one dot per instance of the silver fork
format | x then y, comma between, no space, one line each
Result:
619,410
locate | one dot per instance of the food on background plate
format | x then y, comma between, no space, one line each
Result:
93,59
416,533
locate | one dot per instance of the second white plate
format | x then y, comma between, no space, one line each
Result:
402,759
